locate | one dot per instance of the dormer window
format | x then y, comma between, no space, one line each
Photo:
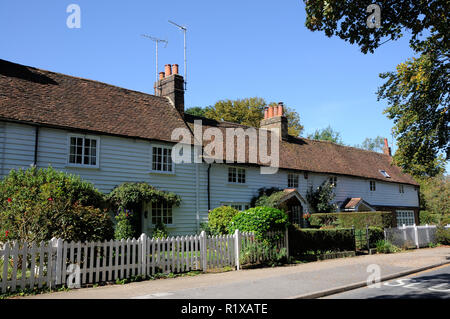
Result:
385,174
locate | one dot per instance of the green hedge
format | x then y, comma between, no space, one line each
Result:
358,219
303,241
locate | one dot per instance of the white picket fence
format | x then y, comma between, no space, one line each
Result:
412,236
57,262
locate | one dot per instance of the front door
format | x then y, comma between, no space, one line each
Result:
297,215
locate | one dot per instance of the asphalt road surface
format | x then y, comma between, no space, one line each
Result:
433,283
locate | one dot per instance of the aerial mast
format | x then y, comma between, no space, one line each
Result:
184,29
157,41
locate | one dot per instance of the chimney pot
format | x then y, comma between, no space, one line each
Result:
168,70
280,109
175,69
270,112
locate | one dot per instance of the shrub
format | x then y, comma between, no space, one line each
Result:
358,219
375,235
264,192
259,220
443,235
272,200
320,241
123,227
430,218
39,204
267,254
160,231
131,196
386,247
320,199
220,218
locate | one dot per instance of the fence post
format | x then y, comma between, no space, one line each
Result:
286,238
367,239
203,250
416,236
354,236
143,261
57,263
237,248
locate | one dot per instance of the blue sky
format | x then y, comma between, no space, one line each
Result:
236,49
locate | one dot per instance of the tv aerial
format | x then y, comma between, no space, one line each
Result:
157,41
184,29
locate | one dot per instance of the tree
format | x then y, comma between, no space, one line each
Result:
249,111
418,91
196,111
435,196
372,144
327,134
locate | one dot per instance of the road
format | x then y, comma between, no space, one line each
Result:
433,283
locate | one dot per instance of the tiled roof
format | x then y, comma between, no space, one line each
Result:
303,154
42,97
32,95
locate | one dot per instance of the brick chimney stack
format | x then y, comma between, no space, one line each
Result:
386,149
274,118
171,85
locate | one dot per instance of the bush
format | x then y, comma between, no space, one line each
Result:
272,200
220,218
443,235
160,231
39,204
123,227
320,199
386,247
131,196
267,254
260,221
358,219
318,241
375,235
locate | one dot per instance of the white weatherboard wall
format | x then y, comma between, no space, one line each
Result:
128,160
386,194
121,160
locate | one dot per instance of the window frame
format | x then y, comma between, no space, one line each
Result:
162,147
84,137
374,184
405,215
401,189
243,205
236,175
293,177
169,209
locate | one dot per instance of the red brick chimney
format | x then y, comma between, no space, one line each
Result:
386,149
274,118
171,85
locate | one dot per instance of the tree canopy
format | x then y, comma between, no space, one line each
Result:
247,111
417,92
372,144
327,134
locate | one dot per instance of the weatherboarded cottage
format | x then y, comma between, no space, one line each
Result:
110,135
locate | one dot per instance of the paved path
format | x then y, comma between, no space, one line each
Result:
274,283
433,283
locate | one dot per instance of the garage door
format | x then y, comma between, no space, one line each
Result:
405,217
